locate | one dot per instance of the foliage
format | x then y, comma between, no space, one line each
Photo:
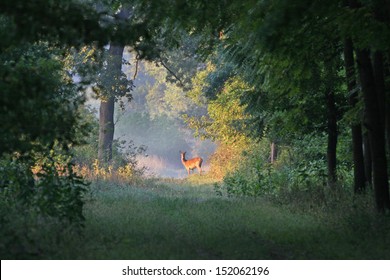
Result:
111,81
83,64
129,172
180,58
26,234
224,160
51,188
165,98
226,118
40,121
40,104
59,190
252,175
71,22
277,51
31,80
300,168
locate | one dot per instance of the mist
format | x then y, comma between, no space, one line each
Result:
153,119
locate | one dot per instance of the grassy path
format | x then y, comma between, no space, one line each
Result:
172,221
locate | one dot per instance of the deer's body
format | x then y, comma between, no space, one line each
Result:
191,164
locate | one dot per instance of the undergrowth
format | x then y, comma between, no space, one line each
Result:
183,219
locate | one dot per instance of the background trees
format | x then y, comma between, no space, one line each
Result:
41,104
294,49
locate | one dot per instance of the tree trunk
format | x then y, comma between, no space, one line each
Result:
387,108
357,141
376,132
107,106
332,138
106,129
380,83
387,97
106,116
274,152
358,159
382,14
367,159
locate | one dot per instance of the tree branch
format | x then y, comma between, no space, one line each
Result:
136,66
172,73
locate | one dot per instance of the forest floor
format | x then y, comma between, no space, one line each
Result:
183,219
177,219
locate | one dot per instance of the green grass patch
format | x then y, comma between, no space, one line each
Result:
178,219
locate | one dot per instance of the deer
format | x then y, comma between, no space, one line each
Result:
191,164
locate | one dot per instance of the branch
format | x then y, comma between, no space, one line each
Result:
172,73
136,66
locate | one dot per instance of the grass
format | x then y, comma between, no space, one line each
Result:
180,219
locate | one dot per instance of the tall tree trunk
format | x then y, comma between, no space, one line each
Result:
387,97
367,159
274,152
387,107
357,140
106,112
382,14
358,159
106,129
107,106
331,152
380,83
376,132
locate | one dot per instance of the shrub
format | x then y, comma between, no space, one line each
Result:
50,187
224,160
124,166
300,170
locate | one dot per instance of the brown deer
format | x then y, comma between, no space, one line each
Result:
191,164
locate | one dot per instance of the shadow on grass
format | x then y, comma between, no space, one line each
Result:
186,219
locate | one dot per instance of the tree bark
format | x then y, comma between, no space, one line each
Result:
357,139
376,132
107,106
387,106
382,14
380,83
367,159
274,152
106,129
331,152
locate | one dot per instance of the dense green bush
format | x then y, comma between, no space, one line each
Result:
41,120
254,175
45,184
299,169
40,198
